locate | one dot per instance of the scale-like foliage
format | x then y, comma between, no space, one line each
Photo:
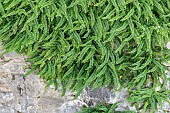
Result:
95,43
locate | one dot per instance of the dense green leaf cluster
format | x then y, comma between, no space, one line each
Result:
103,108
93,43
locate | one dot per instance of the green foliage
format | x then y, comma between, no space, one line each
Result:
103,108
149,97
95,43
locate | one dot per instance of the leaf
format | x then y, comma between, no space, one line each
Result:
120,48
120,60
122,27
102,48
117,17
92,17
145,107
159,65
141,75
2,9
107,9
115,76
130,13
132,28
5,28
55,84
91,63
103,70
115,5
148,61
148,9
89,56
31,70
122,4
68,73
82,53
153,104
99,27
27,22
109,15
49,83
60,23
142,81
159,101
100,3
158,6
63,87
12,4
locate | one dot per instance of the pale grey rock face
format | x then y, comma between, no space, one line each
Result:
168,45
19,94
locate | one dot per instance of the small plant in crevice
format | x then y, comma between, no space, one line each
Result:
149,98
103,108
96,43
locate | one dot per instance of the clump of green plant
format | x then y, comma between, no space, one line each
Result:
94,43
103,108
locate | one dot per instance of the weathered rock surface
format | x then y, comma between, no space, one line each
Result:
19,94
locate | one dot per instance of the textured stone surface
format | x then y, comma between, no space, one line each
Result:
19,94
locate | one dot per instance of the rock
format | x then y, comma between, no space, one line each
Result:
102,94
12,55
4,87
168,45
49,100
4,109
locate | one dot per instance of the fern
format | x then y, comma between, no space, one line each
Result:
103,108
94,43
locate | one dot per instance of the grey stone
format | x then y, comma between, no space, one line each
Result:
4,87
4,109
168,45
102,94
12,55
